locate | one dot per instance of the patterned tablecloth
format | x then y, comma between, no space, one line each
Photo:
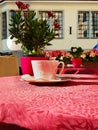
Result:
72,105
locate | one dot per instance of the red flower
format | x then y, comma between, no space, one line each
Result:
22,5
50,14
57,26
56,53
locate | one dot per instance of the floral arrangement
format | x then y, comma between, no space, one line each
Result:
64,56
67,56
32,32
90,55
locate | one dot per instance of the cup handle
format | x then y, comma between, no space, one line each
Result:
62,67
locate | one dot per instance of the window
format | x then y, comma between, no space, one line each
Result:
88,24
4,25
58,18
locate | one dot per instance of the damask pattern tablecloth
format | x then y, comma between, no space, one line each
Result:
72,105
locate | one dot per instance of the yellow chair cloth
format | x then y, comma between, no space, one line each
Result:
9,66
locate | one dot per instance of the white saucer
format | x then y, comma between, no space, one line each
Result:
32,80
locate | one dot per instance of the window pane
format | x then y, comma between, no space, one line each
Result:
94,24
58,18
4,25
83,24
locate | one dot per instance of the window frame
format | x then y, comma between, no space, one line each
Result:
4,25
89,24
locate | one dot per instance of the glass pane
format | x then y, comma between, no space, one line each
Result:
94,24
4,25
83,24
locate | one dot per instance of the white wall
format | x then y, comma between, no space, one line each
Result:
70,19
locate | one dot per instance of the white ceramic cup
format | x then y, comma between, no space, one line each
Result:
45,69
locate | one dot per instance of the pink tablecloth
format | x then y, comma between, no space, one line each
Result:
69,106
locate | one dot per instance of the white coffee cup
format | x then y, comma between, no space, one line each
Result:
45,69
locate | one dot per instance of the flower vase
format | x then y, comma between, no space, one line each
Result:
26,66
76,62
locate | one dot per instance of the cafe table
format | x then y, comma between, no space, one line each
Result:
71,104
86,68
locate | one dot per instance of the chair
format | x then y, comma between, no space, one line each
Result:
9,65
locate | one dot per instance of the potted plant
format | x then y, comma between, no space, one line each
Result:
76,56
73,56
64,56
33,33
90,58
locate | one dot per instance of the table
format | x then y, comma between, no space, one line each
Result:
72,105
69,69
79,70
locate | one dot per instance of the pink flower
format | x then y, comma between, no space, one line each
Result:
56,53
96,52
92,54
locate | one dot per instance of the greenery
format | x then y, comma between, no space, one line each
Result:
76,52
33,33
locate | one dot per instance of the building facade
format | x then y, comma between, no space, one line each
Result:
78,20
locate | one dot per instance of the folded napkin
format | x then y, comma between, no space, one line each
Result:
27,77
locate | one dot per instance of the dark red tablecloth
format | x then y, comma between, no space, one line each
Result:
81,70
72,105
